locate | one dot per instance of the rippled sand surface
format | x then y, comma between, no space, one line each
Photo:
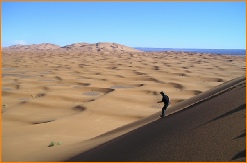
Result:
70,96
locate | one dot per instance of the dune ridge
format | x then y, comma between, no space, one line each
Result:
70,95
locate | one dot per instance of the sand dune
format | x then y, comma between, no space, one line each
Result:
209,129
76,47
71,95
100,47
43,46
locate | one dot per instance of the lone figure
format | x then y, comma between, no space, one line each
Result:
166,101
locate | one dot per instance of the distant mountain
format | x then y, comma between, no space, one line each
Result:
100,47
85,47
43,46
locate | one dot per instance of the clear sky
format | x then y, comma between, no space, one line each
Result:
206,25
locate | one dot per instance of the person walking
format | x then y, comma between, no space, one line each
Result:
166,101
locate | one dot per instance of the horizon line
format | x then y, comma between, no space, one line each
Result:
132,46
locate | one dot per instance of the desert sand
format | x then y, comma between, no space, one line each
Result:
212,129
69,95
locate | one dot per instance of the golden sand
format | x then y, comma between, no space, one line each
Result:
70,95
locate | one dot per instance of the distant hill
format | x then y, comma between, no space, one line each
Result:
85,47
100,47
43,46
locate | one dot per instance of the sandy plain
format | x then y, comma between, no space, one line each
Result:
69,95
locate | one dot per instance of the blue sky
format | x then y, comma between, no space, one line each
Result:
205,25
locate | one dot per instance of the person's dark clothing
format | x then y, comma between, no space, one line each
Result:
165,99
